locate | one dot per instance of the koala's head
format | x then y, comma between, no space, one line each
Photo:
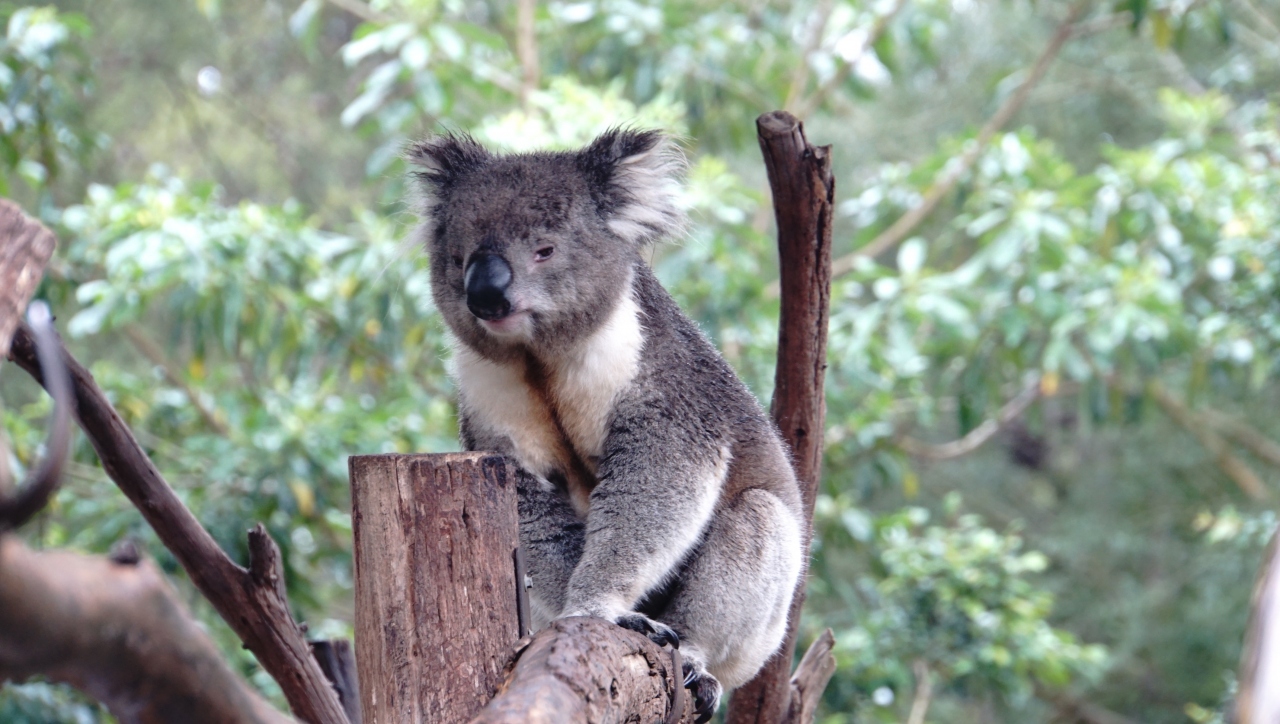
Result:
534,250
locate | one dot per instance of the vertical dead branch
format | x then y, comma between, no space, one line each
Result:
803,192
252,601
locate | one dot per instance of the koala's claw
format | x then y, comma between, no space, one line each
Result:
706,691
659,633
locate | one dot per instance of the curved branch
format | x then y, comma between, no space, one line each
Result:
18,508
251,601
978,436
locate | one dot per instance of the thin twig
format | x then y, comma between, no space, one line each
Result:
847,65
1260,19
955,169
527,49
924,692
1080,710
800,71
978,436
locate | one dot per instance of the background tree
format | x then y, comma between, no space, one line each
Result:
1074,328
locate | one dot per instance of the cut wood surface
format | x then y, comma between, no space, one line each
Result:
436,617
25,248
251,600
589,671
116,630
803,192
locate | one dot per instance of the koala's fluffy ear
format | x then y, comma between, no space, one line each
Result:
441,160
635,176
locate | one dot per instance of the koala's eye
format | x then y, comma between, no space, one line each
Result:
457,261
544,253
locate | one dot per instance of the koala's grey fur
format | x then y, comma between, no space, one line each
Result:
658,495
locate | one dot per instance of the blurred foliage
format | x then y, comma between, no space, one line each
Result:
225,181
953,599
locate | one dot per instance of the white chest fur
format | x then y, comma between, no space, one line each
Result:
582,389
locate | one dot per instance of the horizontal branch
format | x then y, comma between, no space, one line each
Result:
116,630
251,601
588,671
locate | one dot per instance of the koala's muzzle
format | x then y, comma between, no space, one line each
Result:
486,282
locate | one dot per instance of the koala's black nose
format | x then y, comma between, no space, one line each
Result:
486,282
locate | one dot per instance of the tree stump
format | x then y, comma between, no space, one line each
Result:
436,617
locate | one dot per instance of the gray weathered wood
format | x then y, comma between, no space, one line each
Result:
436,617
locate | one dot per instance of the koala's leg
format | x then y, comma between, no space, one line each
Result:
731,602
551,534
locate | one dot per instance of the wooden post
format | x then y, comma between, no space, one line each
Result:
436,619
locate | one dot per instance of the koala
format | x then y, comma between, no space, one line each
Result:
654,492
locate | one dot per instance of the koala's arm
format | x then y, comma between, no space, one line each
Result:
659,482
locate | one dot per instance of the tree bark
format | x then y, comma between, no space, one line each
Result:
252,601
803,192
117,631
589,671
436,614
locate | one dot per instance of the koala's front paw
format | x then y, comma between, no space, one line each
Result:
706,690
658,632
